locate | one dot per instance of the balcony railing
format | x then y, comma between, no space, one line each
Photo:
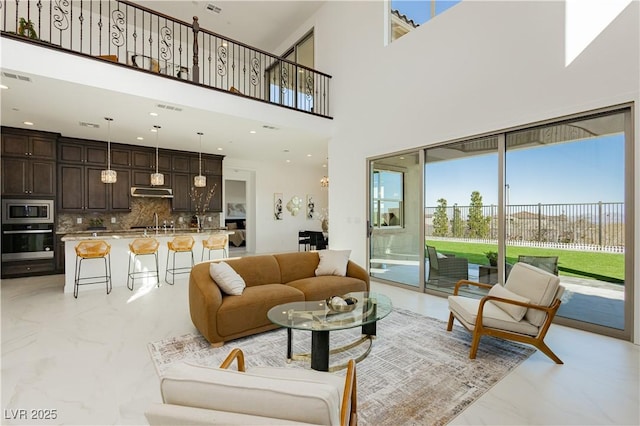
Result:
589,226
131,35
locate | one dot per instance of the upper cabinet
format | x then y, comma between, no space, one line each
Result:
28,163
211,165
84,152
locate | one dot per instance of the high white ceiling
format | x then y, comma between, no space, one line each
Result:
59,106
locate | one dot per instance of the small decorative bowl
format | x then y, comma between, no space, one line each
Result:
350,306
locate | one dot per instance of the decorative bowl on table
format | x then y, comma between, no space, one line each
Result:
342,304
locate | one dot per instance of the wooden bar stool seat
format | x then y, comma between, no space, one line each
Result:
215,242
91,250
181,244
142,247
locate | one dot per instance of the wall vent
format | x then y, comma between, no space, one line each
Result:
269,127
17,76
91,125
169,107
213,8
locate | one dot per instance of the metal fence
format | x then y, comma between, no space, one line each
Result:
585,225
135,36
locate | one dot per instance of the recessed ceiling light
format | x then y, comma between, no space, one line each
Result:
288,161
402,158
28,123
309,155
252,131
140,138
219,149
153,114
324,165
2,86
153,130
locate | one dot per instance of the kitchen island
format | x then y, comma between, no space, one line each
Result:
119,242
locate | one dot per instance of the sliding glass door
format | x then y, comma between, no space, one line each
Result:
557,195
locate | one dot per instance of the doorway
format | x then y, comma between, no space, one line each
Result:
235,218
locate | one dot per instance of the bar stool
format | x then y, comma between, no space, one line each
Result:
215,242
142,247
92,249
180,244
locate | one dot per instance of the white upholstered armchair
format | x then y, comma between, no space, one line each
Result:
522,310
199,395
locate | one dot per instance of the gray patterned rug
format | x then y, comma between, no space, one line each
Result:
416,374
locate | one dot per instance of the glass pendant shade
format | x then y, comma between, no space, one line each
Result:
109,176
324,182
157,179
200,181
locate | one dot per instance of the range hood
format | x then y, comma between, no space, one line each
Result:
151,192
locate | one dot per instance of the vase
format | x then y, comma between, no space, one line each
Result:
325,225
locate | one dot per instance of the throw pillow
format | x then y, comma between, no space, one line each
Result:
227,278
516,312
333,262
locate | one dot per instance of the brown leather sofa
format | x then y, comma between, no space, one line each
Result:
271,280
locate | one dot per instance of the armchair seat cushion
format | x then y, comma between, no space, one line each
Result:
465,309
172,415
300,397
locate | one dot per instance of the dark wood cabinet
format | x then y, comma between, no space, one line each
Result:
180,163
120,157
120,192
181,184
164,162
80,189
84,152
143,159
140,178
59,254
25,145
28,166
211,165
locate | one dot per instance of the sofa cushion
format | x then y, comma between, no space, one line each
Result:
227,278
297,399
298,265
516,312
241,313
257,270
540,287
320,288
333,262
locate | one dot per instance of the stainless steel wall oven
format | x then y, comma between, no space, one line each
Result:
27,230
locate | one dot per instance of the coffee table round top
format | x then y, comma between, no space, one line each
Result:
317,316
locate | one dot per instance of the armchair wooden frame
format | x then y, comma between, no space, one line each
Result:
349,405
480,330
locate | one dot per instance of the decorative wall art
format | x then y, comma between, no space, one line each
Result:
278,214
236,211
294,205
311,207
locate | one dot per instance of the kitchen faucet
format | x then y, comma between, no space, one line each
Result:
155,220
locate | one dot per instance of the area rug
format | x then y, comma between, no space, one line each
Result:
417,373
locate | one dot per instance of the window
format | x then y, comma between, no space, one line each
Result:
407,15
291,85
388,198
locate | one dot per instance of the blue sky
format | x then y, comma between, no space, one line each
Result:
419,10
585,171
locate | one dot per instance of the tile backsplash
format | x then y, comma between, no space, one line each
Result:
142,210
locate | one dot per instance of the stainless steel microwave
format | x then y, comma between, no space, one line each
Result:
27,211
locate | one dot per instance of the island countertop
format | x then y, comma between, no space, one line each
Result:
120,254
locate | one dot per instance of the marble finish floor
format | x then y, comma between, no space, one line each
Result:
87,359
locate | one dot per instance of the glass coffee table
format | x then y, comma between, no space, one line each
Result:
321,319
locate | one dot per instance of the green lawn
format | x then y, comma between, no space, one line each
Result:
601,266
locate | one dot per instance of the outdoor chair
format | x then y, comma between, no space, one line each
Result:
446,270
195,394
522,310
548,263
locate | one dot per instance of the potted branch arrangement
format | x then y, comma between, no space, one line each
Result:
200,199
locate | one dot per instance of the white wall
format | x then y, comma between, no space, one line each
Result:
263,180
479,67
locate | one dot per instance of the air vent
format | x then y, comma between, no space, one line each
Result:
91,125
169,107
270,127
17,76
213,8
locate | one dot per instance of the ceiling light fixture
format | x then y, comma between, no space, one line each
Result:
324,182
200,181
108,176
157,179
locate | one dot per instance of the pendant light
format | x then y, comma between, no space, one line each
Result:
157,179
200,181
324,182
108,176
